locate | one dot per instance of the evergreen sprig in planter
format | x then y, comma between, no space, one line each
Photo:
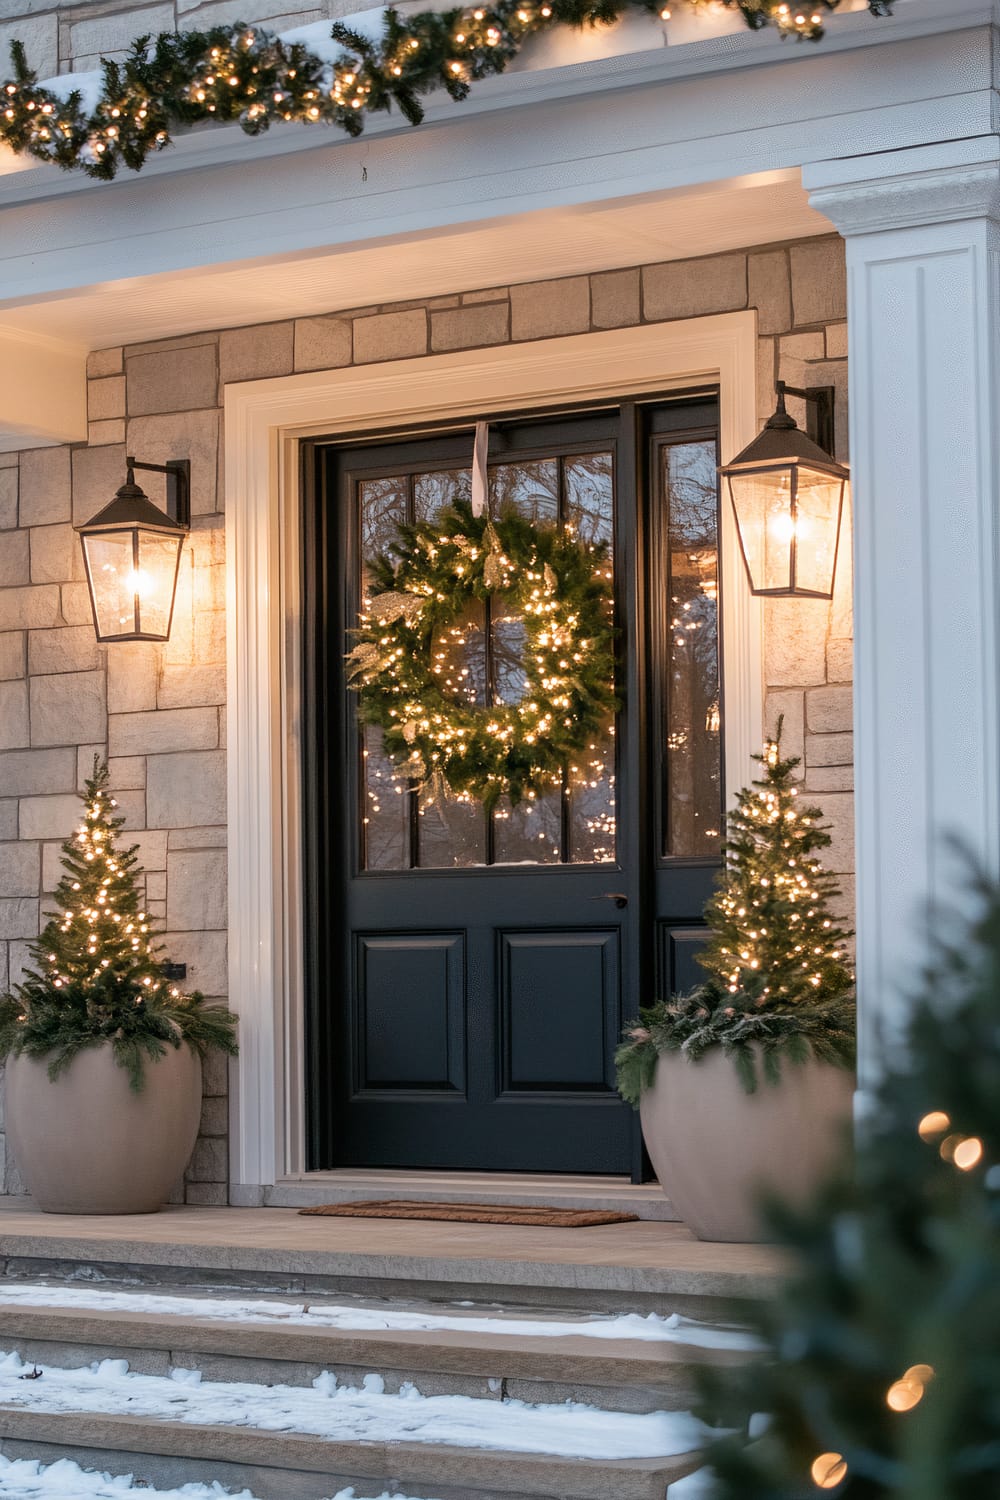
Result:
742,1084
103,1076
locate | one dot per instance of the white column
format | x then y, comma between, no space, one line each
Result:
921,228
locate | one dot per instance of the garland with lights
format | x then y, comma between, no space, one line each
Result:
249,76
409,684
779,988
99,971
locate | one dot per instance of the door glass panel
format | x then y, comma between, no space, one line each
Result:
693,727
404,828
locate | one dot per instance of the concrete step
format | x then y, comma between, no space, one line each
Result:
612,1374
290,1466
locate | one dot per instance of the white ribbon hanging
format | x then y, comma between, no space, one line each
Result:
480,477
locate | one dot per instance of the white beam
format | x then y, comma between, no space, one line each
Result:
43,391
923,253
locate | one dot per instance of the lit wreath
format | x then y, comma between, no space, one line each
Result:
545,576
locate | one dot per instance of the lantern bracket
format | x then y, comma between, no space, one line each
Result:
819,413
178,473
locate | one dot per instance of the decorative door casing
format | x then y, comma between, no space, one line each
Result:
265,422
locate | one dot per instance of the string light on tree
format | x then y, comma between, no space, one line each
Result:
250,77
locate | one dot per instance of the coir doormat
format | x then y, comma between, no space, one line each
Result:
473,1213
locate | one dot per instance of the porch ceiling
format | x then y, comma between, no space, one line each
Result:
759,209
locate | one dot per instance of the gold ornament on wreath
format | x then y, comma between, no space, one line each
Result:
557,585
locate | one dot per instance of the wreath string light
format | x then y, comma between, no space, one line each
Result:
405,661
249,76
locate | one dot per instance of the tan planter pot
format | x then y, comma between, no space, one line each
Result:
716,1148
86,1144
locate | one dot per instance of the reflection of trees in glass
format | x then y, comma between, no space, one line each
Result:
383,508
530,833
531,489
386,813
693,730
590,497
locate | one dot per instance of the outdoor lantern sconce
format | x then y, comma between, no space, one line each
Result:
788,494
132,553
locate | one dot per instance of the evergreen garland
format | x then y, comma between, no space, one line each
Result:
779,987
434,730
98,974
247,75
881,1365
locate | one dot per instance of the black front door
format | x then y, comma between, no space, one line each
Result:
469,973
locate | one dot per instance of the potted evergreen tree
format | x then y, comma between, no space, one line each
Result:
741,1083
103,1077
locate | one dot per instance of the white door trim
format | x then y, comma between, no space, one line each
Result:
265,422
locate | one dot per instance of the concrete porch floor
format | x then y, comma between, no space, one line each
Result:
642,1265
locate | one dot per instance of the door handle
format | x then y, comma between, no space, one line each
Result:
618,897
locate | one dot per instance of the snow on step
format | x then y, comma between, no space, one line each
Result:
351,1414
27,1479
649,1328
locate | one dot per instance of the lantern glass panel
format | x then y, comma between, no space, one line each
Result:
762,502
817,525
154,581
110,565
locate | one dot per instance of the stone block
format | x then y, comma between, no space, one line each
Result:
830,779
795,642
105,362
206,1194
819,281
114,31
550,309
19,918
23,773
133,670
838,812
19,961
790,708
322,343
769,290
210,1162
842,608
213,837
830,710
214,1116
151,845
189,686
52,870
829,750
11,654
615,298
205,956
163,730
8,499
8,819
802,347
255,353
98,474
390,336
186,789
489,294
215,1075
172,380
194,436
68,708
132,807
210,636
40,36
14,732
106,398
101,433
20,870
14,563
75,604
766,373
127,772
470,327
72,648
839,660
694,288
196,891
45,486
48,816
836,341
56,554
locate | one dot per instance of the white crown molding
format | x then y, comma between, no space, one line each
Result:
265,422
935,184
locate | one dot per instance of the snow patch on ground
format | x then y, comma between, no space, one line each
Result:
27,1479
651,1327
346,1413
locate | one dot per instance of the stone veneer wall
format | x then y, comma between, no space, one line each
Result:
158,711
